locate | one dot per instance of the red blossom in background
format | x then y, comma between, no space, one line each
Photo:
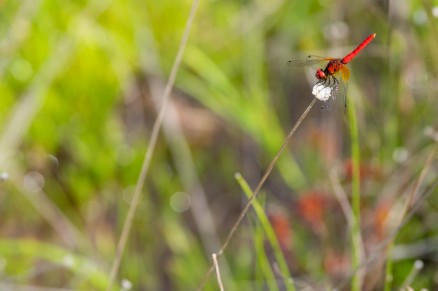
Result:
282,228
336,264
380,219
311,207
366,171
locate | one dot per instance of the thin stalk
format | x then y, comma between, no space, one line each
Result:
218,273
256,191
269,231
355,198
388,270
416,268
407,206
148,156
379,250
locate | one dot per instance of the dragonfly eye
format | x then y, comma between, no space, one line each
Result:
320,74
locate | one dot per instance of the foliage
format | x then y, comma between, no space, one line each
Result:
81,82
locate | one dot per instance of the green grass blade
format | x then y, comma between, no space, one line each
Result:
270,234
355,197
81,267
263,259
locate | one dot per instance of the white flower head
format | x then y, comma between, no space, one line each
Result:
322,91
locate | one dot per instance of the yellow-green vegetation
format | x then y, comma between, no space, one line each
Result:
351,202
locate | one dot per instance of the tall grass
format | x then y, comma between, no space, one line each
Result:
78,111
253,196
150,149
356,236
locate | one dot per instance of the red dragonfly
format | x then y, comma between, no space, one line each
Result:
332,79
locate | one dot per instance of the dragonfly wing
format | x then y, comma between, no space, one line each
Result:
342,77
345,73
342,90
329,90
309,61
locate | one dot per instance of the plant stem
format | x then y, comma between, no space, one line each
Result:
269,231
409,202
256,191
388,271
120,249
355,197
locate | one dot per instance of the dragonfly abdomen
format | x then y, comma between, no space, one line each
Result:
351,55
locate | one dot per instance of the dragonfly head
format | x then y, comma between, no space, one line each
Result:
320,75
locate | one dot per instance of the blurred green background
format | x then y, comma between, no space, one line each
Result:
79,90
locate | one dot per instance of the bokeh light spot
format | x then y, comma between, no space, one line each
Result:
4,176
126,284
21,69
180,201
400,155
33,182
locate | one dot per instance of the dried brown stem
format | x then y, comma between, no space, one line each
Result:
256,191
148,156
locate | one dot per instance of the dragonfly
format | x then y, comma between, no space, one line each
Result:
332,80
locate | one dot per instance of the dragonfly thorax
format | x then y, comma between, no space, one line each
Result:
333,67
